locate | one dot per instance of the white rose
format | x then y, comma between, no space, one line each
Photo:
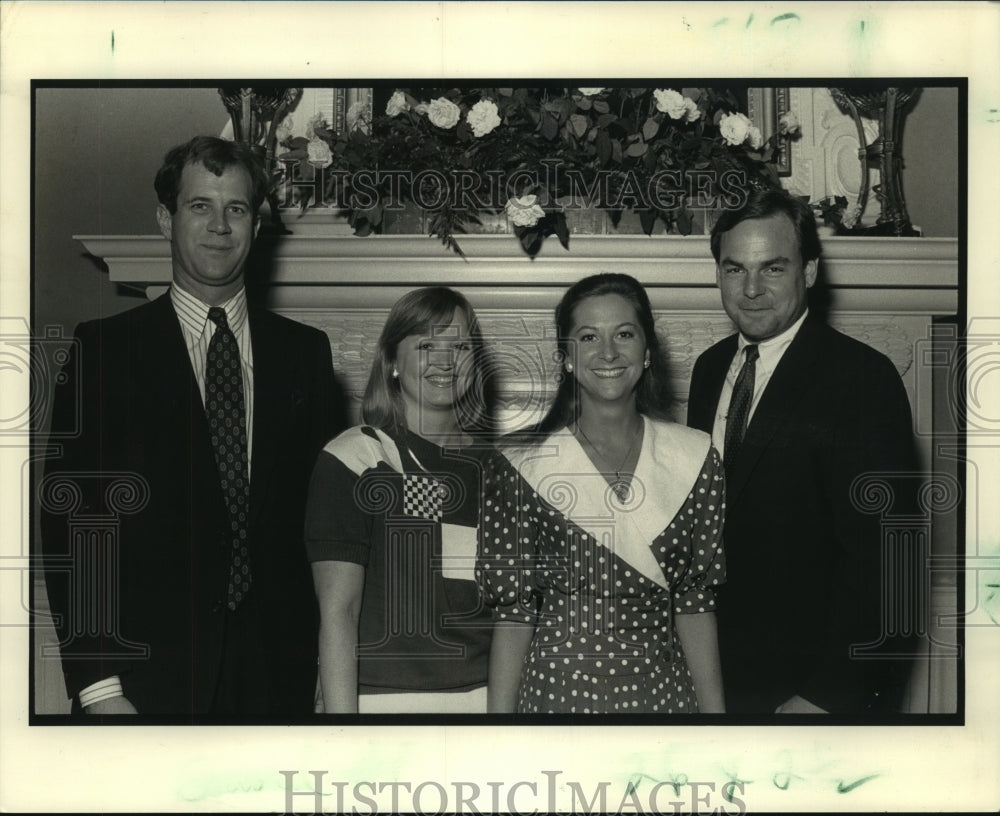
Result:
734,127
755,138
691,111
590,91
788,124
397,104
524,211
316,121
670,102
443,113
319,153
483,117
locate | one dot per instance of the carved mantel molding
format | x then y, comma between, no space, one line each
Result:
310,271
882,291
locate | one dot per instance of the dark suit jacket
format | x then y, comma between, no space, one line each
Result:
804,575
143,481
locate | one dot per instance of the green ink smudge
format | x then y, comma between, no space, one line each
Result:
749,21
112,41
842,788
783,17
718,23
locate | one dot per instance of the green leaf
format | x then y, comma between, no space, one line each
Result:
561,229
603,147
505,91
579,124
584,103
601,106
650,128
550,128
531,241
685,220
374,214
647,218
637,148
606,119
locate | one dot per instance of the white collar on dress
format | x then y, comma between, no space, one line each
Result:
561,473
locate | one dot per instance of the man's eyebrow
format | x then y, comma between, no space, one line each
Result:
209,199
780,259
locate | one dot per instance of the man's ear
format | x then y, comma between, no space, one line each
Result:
165,221
809,272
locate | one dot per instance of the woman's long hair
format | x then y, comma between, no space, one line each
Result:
421,312
652,392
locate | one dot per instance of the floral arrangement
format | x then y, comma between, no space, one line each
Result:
460,154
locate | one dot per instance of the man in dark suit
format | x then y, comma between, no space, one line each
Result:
175,568
799,412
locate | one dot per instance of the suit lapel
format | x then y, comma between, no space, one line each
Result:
272,387
173,404
171,385
704,397
779,404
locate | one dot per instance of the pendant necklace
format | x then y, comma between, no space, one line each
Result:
621,487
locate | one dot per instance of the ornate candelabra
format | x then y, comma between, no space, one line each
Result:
253,109
888,106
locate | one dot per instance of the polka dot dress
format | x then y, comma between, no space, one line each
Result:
604,638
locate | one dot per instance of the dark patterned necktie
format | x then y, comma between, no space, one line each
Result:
739,407
226,410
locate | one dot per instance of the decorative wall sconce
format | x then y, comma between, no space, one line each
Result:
888,105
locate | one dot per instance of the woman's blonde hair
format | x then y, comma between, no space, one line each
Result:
420,312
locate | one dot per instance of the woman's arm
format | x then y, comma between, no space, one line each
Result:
511,641
700,641
339,587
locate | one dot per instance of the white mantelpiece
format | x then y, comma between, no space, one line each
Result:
920,274
883,291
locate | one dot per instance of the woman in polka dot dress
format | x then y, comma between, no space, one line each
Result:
600,534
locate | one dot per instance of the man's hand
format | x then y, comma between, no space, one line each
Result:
113,705
799,705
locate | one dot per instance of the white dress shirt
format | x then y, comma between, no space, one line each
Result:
197,330
771,351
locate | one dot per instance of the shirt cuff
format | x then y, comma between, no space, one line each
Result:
101,690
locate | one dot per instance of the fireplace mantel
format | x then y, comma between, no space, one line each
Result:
884,291
917,276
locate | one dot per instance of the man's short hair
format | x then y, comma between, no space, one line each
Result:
764,204
216,155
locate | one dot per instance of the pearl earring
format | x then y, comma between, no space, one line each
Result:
646,364
569,367
395,373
